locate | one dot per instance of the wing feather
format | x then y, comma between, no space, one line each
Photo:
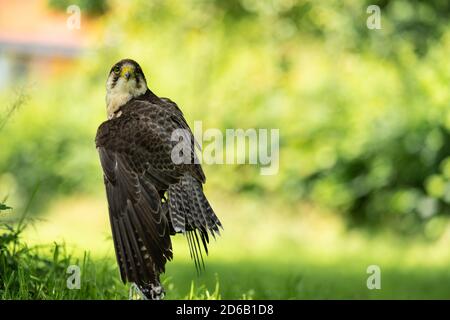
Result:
139,227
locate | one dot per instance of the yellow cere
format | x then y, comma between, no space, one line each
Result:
126,69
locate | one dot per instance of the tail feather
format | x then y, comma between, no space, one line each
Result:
191,214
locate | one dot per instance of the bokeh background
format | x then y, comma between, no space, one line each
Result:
364,119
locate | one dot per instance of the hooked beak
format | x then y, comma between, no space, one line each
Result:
127,72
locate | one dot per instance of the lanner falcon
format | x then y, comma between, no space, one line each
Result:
150,196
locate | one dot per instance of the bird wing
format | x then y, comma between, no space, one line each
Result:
139,227
189,210
135,154
136,163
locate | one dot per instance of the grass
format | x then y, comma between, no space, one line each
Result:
307,256
34,275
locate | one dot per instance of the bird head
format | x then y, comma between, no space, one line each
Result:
125,81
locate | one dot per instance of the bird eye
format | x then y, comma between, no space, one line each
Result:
116,69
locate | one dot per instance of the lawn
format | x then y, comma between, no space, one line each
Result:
280,256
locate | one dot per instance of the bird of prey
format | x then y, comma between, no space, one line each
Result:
150,196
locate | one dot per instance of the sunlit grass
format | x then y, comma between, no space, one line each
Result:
265,252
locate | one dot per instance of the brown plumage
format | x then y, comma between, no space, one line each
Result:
149,196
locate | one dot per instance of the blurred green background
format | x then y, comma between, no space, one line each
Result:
364,119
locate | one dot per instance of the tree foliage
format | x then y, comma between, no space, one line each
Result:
363,114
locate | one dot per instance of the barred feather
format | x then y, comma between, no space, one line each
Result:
192,215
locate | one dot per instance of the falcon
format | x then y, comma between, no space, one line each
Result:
150,196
